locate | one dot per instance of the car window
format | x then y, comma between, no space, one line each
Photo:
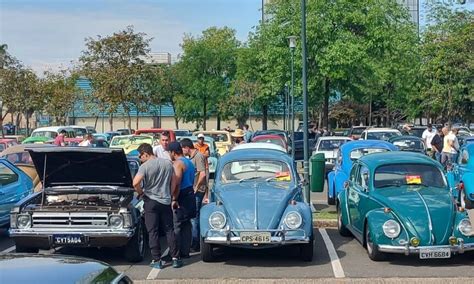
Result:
269,170
117,141
463,158
330,145
363,177
383,135
357,131
49,134
7,176
357,153
409,144
353,174
19,158
408,174
218,137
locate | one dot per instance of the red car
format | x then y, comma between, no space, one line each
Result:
271,138
5,143
154,131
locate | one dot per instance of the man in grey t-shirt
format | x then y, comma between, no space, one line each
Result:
158,179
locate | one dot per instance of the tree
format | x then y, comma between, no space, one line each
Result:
206,63
113,64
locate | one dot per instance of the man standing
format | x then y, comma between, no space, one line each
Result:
59,140
200,186
159,189
161,150
247,134
437,144
238,137
449,150
184,170
427,136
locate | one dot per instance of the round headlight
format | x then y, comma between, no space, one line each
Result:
217,220
24,221
391,229
293,220
116,221
465,227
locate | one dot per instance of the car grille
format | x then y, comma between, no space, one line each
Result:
70,220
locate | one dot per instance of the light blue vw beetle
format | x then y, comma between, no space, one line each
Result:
256,203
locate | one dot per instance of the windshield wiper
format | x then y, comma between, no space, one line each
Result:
397,184
422,184
248,179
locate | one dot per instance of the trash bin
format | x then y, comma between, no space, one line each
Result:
317,170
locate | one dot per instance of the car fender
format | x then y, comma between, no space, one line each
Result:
306,215
342,204
468,180
340,177
459,217
206,212
375,220
331,180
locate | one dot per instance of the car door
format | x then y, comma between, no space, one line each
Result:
12,189
358,196
353,196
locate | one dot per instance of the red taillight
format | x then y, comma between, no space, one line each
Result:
460,186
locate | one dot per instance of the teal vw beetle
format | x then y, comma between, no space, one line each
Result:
400,203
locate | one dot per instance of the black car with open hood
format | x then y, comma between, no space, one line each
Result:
88,200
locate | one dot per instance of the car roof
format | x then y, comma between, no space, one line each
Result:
255,153
397,157
381,129
53,128
259,146
21,148
357,144
334,138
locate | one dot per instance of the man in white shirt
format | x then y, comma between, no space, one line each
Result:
87,141
427,136
161,150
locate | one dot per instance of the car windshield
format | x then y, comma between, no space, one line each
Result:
418,132
406,144
182,133
330,145
385,135
271,140
408,174
358,131
256,170
118,141
19,158
217,137
80,131
357,153
49,134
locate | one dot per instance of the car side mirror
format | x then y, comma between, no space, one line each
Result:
346,185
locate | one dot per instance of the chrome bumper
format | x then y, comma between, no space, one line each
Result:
459,248
92,233
279,237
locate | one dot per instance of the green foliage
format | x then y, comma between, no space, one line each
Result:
60,93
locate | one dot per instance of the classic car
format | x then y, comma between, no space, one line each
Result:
6,143
464,140
461,177
375,133
18,138
271,138
14,186
130,143
183,132
38,268
47,134
38,140
347,154
399,202
283,134
222,138
20,157
409,143
298,151
111,134
79,131
356,131
258,145
329,145
256,203
96,208
156,132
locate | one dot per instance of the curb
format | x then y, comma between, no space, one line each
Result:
325,223
399,280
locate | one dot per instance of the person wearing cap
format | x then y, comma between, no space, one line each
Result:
186,203
238,137
161,150
200,186
427,136
159,190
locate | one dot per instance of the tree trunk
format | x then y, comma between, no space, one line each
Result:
27,124
218,121
17,123
129,120
95,122
265,117
326,102
176,119
204,114
138,118
111,121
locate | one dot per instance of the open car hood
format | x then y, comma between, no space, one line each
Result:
60,166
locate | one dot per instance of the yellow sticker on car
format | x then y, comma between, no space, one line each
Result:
413,179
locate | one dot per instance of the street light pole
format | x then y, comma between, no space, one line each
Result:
292,93
305,103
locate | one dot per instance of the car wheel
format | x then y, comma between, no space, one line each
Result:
343,231
307,250
466,203
372,249
207,252
135,249
331,200
21,249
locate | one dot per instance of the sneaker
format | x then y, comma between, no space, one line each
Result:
158,264
166,258
177,263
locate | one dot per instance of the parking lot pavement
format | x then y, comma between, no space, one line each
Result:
356,263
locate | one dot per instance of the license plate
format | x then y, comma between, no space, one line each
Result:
68,239
435,253
249,237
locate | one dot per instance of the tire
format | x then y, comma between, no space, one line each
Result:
465,202
207,252
23,249
135,249
372,249
343,231
307,251
331,200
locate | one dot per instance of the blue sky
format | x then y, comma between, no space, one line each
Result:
50,33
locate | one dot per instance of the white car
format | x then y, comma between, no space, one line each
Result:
379,133
329,145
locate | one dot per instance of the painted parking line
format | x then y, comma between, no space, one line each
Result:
10,249
336,264
155,271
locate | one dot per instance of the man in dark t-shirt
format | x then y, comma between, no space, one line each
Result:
437,144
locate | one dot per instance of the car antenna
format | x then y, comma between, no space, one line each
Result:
44,178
